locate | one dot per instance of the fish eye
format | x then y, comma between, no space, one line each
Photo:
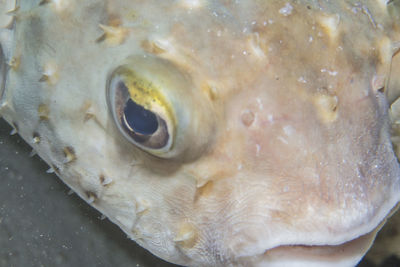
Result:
157,107
140,111
145,126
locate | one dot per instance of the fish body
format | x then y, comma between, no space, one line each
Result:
214,133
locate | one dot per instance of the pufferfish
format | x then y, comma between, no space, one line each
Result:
215,133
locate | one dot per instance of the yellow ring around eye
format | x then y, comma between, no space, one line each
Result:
146,94
157,107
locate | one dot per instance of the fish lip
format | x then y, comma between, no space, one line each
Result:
355,242
348,253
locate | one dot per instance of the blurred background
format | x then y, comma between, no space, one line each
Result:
42,223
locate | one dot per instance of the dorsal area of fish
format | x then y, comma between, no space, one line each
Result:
213,132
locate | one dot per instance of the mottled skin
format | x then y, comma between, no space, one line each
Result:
286,159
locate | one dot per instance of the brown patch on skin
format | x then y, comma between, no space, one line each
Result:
69,154
43,111
207,177
92,197
36,138
85,109
187,235
14,63
326,106
138,235
114,20
88,116
44,78
378,83
204,191
152,47
211,91
104,181
44,2
55,168
141,208
113,35
247,117
281,216
101,38
102,178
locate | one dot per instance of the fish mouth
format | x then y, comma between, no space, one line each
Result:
348,253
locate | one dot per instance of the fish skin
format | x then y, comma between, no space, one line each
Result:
275,80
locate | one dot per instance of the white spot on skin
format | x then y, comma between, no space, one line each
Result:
258,148
62,5
239,167
286,10
254,45
164,44
270,118
310,209
301,79
285,189
330,24
330,72
288,130
260,105
283,140
192,4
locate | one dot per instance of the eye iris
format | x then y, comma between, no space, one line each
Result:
139,119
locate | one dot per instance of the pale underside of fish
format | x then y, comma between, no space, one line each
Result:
215,133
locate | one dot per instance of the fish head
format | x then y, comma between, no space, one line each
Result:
213,133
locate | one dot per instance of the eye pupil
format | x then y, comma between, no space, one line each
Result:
139,119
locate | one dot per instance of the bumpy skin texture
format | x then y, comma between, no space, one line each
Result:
290,162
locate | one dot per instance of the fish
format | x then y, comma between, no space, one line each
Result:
215,133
